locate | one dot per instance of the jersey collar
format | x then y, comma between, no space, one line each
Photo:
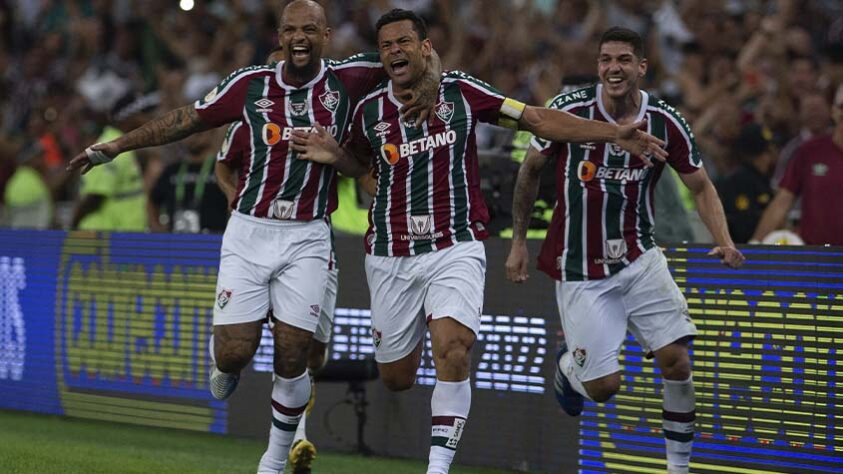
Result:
279,76
641,111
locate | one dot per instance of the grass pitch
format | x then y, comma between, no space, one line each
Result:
31,443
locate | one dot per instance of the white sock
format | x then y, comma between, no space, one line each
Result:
449,406
678,417
289,400
566,365
300,430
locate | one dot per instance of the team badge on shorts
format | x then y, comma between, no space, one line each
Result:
223,297
579,356
376,337
314,310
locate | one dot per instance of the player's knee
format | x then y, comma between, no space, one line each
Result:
397,382
454,354
603,389
677,369
317,357
233,355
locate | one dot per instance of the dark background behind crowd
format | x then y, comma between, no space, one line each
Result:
754,78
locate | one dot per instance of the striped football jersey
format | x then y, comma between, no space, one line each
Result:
603,218
428,185
264,111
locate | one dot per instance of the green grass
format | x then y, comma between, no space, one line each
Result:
31,443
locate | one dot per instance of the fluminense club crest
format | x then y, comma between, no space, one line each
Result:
223,297
330,99
445,110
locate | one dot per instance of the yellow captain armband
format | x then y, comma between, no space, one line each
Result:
511,111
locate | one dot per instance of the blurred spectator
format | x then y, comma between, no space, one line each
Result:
29,202
747,192
815,173
112,195
814,120
186,197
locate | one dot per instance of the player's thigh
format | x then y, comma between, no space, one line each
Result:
397,298
329,304
456,282
242,294
658,312
594,322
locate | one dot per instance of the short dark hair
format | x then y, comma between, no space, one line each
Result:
395,15
623,35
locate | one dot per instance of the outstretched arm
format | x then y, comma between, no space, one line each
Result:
168,128
524,197
711,212
559,126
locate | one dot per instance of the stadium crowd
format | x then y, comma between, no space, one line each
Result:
756,79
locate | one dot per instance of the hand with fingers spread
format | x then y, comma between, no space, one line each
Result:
94,155
420,101
633,139
516,262
316,145
729,255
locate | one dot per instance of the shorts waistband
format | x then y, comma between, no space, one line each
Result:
273,222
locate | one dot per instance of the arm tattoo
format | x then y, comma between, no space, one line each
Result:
526,190
168,128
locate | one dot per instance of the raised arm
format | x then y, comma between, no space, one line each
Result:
524,197
168,128
421,99
559,126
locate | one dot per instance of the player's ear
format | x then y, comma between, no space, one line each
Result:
327,34
426,47
642,67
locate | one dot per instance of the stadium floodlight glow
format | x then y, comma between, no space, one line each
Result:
186,5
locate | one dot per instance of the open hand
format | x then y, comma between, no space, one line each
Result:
316,145
729,256
92,156
639,143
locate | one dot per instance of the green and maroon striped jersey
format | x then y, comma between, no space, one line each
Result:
603,218
428,186
273,182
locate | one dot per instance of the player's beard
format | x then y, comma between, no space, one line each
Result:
303,73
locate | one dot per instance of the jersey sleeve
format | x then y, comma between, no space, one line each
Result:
236,142
682,152
359,73
224,103
486,102
793,174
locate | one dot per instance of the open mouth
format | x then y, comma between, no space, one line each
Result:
614,80
399,65
300,52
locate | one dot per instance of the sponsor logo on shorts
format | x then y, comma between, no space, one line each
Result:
314,310
223,297
579,356
376,337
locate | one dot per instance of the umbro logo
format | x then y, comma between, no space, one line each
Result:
381,127
264,105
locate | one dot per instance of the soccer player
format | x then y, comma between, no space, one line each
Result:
425,262
612,276
276,248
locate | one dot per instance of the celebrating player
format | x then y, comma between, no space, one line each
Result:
276,248
425,261
612,276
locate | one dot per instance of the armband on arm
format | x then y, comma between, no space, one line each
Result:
511,111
